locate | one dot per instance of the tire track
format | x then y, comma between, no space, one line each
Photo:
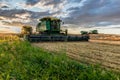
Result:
108,56
89,60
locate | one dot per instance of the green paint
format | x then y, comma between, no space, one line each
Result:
48,25
51,25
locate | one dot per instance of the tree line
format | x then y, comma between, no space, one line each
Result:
89,32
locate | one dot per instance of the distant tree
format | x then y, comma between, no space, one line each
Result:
26,30
83,32
93,32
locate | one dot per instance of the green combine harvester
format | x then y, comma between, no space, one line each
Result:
49,29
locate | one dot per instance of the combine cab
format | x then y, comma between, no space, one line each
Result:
49,30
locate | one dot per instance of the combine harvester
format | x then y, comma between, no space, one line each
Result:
49,29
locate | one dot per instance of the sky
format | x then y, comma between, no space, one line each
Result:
77,15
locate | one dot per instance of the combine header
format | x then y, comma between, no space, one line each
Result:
49,29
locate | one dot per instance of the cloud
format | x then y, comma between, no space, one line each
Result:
4,5
8,29
11,13
22,16
45,2
77,12
53,2
45,5
76,1
95,11
32,2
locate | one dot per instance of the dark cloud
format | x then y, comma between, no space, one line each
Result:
73,9
53,2
34,16
4,6
95,11
74,1
47,2
4,0
39,14
11,13
32,2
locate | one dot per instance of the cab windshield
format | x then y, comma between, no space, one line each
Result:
55,25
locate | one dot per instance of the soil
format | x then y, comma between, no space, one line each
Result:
95,52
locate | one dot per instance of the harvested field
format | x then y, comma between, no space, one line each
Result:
109,37
107,55
106,42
